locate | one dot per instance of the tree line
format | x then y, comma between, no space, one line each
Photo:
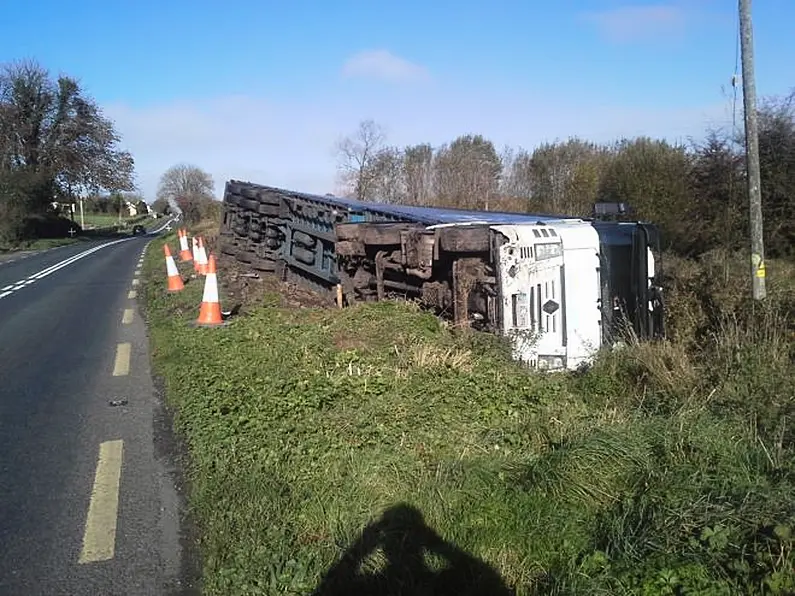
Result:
695,192
55,145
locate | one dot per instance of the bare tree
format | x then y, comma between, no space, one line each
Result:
186,181
385,176
188,190
516,181
356,155
418,174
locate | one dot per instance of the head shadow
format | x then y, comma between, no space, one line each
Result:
400,554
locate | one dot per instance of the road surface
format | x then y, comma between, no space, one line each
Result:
88,503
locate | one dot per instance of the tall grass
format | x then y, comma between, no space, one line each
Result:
321,439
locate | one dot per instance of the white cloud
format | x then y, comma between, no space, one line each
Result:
291,144
639,23
383,65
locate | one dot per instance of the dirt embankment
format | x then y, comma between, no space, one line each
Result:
245,287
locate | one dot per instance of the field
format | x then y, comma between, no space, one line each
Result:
376,450
103,220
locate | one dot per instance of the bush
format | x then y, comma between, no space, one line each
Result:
51,226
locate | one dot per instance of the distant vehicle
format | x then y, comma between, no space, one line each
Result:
138,229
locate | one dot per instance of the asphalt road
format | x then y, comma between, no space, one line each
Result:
88,503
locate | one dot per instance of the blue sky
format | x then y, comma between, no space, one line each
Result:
261,90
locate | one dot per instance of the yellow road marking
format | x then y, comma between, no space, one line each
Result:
131,294
127,317
122,365
99,539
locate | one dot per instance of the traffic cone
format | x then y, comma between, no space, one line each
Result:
210,311
175,283
196,260
184,250
203,262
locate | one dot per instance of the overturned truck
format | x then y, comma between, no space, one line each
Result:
559,287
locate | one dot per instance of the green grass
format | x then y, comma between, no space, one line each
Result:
102,220
658,472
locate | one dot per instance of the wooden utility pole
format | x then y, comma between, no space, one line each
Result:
752,152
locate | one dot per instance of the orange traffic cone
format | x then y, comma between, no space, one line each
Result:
175,283
184,250
203,262
210,311
196,260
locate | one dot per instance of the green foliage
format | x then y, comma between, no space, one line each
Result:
777,169
652,177
666,469
467,173
696,194
54,143
560,177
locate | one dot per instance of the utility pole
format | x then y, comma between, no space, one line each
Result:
752,152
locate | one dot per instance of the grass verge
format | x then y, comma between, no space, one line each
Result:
103,226
371,450
37,244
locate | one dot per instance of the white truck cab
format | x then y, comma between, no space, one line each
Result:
549,284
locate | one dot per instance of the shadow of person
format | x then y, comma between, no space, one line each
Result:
391,557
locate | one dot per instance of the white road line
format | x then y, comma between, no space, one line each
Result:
161,227
53,268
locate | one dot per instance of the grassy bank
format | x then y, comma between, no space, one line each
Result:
324,442
36,244
97,226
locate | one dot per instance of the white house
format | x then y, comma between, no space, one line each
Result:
137,208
